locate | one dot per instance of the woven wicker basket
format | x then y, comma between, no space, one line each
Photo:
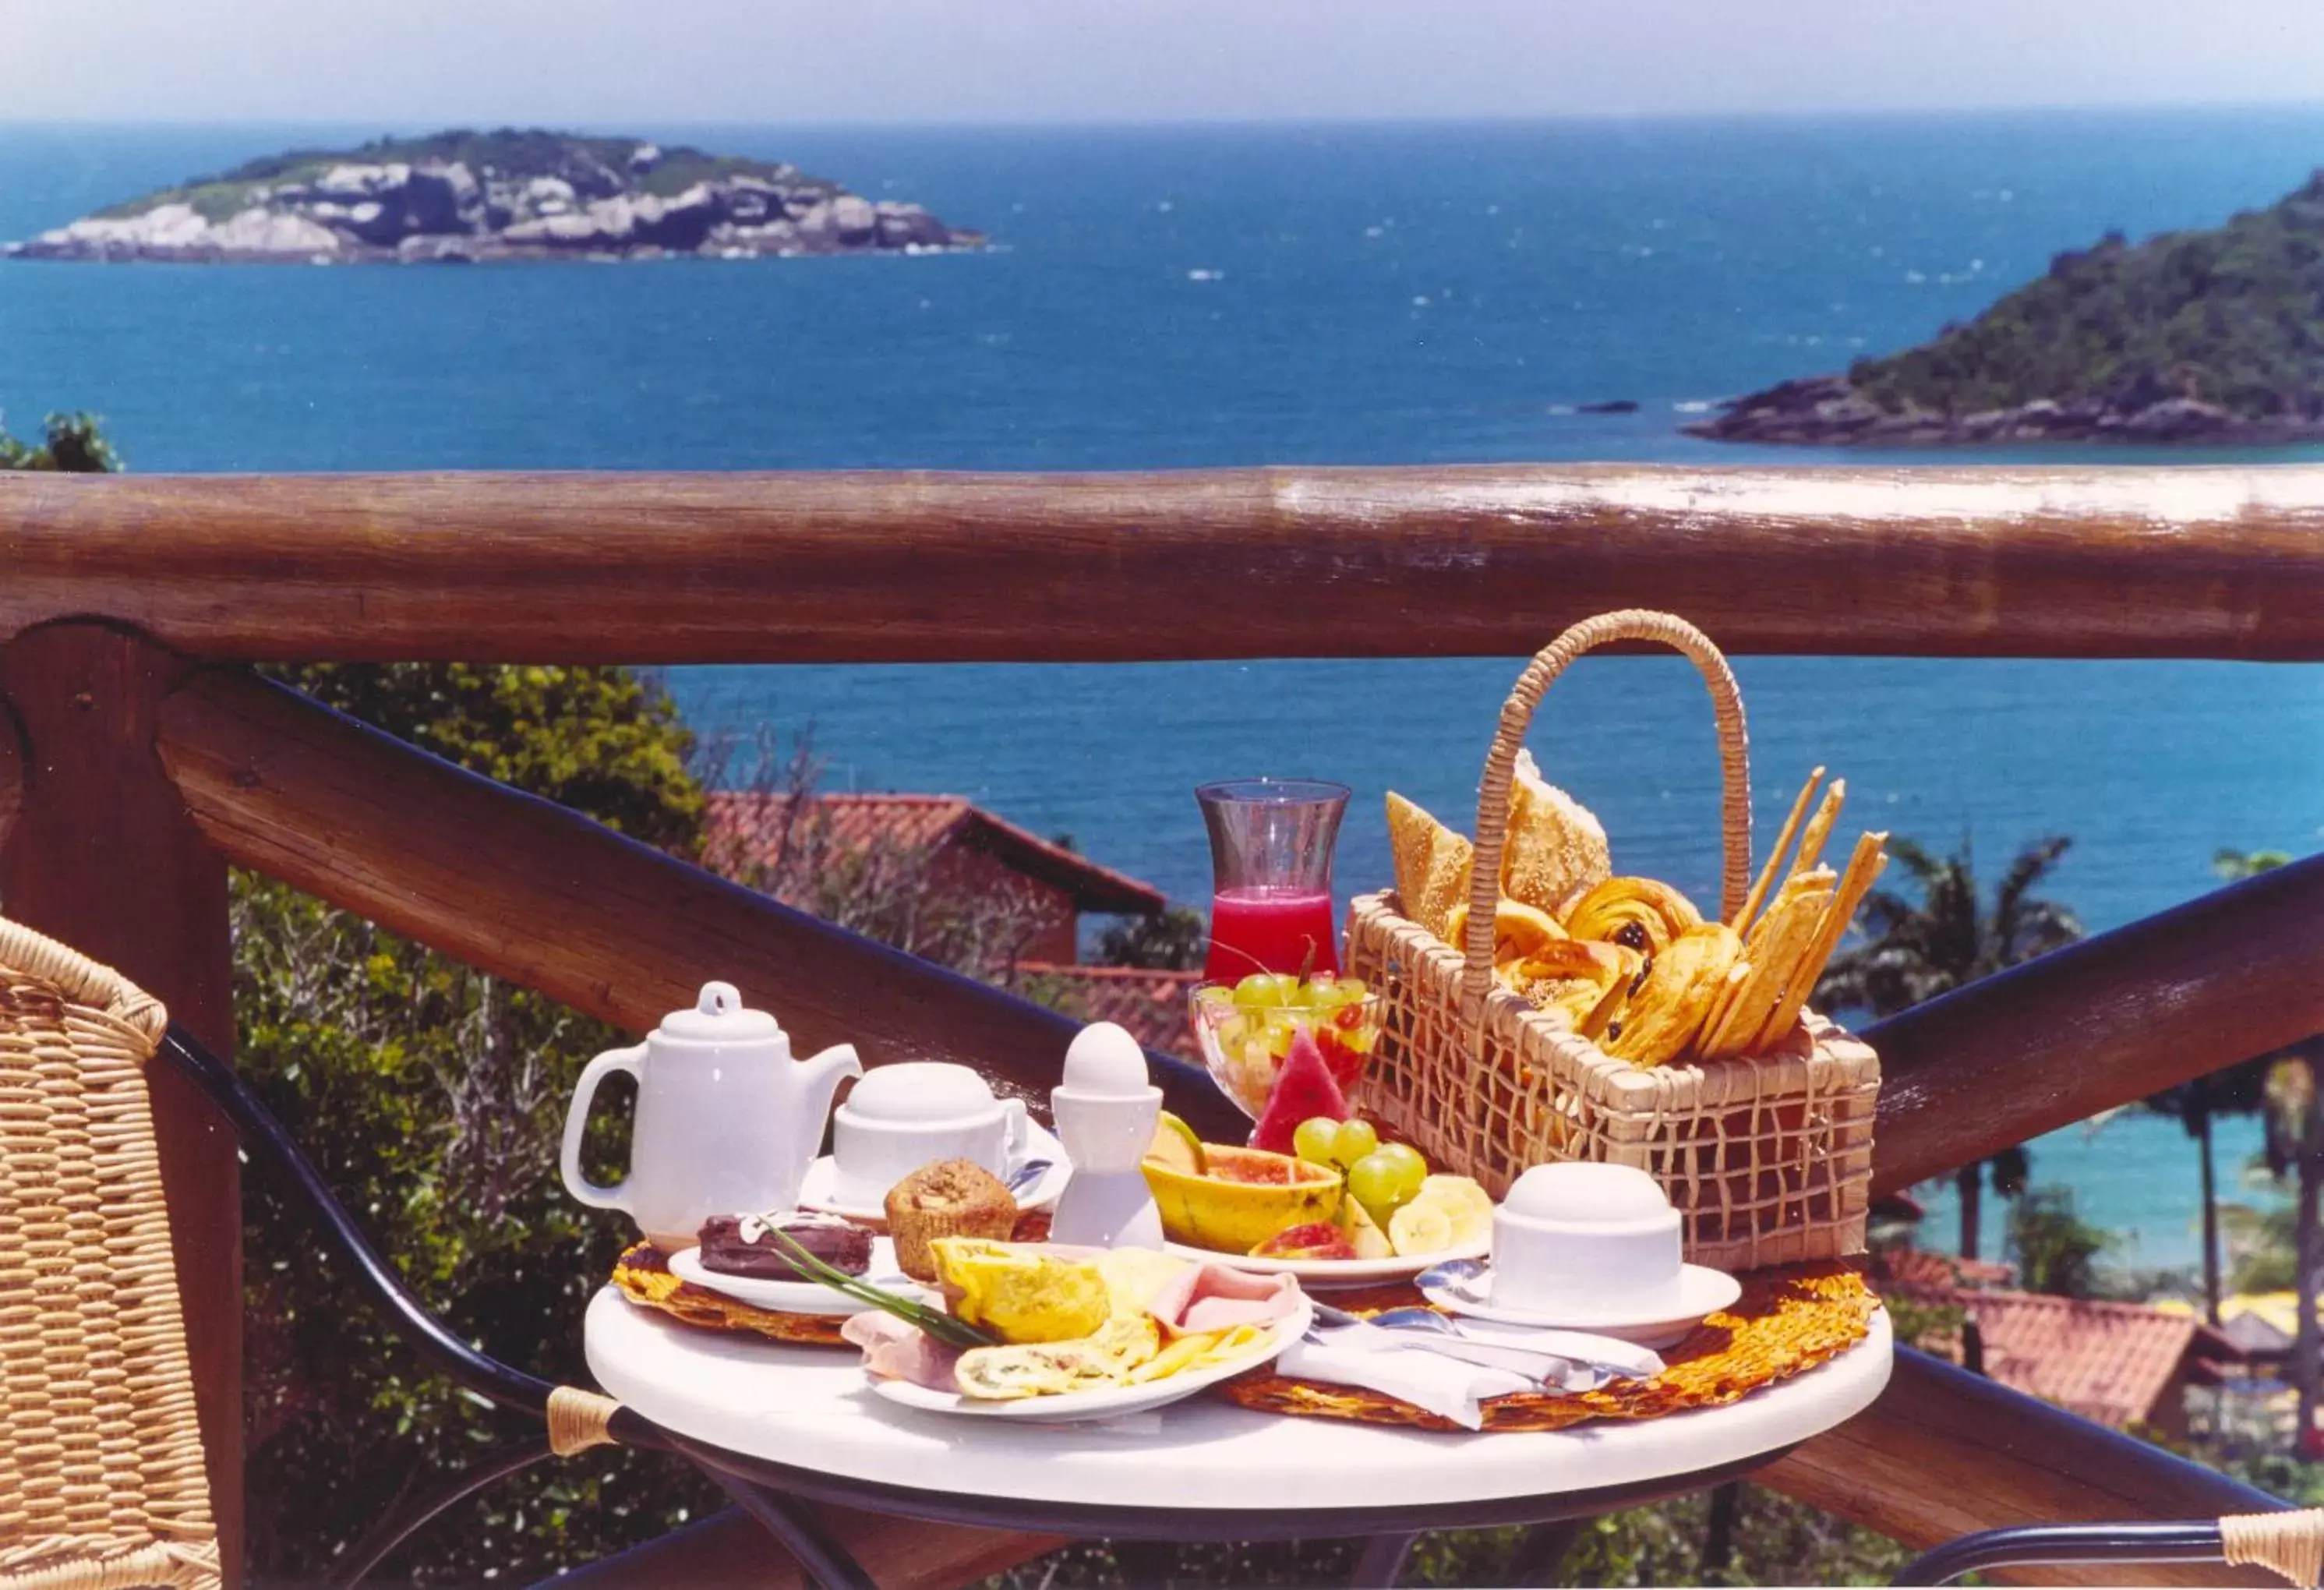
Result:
1768,1158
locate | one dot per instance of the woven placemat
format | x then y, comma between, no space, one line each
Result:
643,1273
1786,1320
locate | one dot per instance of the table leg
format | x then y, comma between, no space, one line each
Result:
821,1558
1381,1561
1541,1551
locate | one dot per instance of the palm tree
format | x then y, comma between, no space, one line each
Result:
2293,1094
2240,1089
1914,952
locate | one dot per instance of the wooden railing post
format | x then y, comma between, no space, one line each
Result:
102,854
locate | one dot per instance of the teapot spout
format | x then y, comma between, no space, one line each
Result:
821,1077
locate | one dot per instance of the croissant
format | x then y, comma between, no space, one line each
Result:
1519,929
1666,1013
1638,913
1586,983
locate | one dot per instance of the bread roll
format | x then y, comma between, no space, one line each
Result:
1432,863
1556,850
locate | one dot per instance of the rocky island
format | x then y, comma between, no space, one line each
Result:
2213,335
464,196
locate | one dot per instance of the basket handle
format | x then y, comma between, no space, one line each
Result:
1631,624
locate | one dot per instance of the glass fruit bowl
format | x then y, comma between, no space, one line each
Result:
1245,1031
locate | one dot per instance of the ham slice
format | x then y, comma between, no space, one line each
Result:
1215,1297
894,1349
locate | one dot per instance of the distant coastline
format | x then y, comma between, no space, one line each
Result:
2214,336
460,197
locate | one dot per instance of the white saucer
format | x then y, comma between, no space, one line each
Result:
816,1192
1073,1407
1322,1274
1701,1292
799,1296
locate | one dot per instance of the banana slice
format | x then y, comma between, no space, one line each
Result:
1362,1232
1420,1228
1466,1204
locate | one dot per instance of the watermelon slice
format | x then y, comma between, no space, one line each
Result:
1302,1090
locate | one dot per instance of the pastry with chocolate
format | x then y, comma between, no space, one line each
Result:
740,1245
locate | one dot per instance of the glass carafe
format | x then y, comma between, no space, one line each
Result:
1271,844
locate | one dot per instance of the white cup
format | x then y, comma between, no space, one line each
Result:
903,1116
1586,1236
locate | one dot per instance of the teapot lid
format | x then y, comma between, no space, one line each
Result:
720,1016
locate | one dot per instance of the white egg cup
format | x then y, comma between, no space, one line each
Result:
1106,1111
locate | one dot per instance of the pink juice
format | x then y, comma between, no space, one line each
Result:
1271,930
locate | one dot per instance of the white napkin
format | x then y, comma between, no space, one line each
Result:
1357,1356
1644,1362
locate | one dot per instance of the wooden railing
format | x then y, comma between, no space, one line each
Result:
134,766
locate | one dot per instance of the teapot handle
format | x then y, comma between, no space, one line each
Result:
576,1123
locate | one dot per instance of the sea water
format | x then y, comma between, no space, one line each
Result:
1210,296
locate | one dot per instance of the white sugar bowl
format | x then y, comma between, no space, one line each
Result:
1587,1238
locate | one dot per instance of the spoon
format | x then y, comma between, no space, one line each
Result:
1501,1351
1454,1274
1022,1178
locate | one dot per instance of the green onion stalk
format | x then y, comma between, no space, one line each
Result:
948,1328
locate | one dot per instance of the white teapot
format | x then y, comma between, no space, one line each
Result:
726,1122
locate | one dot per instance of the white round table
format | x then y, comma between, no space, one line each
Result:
802,1420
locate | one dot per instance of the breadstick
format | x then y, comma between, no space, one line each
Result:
1788,925
1758,895
1864,866
1798,883
1820,828
1721,1002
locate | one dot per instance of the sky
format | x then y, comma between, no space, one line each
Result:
411,62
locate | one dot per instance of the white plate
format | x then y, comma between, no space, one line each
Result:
1701,1291
1073,1407
1040,1143
1322,1274
797,1297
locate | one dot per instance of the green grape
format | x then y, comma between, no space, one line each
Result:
1312,1141
1258,992
1350,989
1409,1165
1352,1141
1377,1182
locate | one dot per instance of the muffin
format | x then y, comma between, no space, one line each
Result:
952,1197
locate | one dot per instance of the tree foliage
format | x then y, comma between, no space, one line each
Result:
432,1095
2232,316
1915,951
2056,1251
1177,939
70,444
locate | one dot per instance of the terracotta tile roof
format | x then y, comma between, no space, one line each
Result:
2109,1362
747,820
1921,1267
1152,1005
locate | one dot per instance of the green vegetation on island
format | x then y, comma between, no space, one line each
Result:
466,196
2208,336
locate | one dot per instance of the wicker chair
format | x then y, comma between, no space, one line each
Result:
101,1479
102,1483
